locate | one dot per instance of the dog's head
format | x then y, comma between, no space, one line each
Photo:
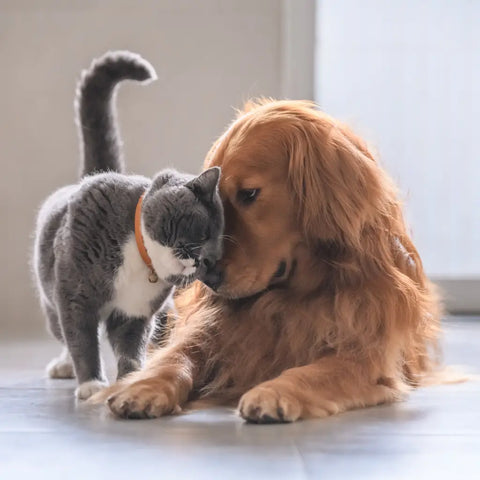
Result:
292,178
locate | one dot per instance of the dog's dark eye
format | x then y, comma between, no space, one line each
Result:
282,268
247,196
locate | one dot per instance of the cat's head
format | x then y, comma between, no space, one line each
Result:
182,224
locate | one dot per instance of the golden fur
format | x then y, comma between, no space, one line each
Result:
352,322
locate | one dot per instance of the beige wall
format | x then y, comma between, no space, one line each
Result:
209,55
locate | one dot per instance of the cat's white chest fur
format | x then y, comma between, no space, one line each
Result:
133,293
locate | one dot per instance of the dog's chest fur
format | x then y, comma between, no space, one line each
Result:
133,293
255,336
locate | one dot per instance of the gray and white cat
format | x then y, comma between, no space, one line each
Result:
87,264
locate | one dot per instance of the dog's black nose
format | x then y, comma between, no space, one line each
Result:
213,276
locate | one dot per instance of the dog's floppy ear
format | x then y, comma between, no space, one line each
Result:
337,184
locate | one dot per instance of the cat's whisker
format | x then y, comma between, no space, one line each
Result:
229,238
235,242
185,282
192,248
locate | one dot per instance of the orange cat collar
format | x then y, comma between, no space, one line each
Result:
152,277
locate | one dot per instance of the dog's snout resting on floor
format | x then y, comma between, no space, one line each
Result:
319,304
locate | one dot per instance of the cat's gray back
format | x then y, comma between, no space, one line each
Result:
88,225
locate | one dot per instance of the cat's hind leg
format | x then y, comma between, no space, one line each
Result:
61,366
128,337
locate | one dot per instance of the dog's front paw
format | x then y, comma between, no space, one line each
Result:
266,403
87,389
144,399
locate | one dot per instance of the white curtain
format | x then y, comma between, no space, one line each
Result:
406,75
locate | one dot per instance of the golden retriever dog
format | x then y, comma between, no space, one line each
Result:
320,303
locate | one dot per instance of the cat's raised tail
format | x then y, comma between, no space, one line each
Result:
100,141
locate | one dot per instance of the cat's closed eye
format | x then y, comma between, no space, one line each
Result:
203,238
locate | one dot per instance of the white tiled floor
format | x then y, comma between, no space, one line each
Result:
45,435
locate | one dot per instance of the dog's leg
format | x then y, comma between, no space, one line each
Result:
329,386
162,388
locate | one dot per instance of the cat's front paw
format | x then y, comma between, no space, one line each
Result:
87,389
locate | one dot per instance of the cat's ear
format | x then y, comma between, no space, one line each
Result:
205,185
